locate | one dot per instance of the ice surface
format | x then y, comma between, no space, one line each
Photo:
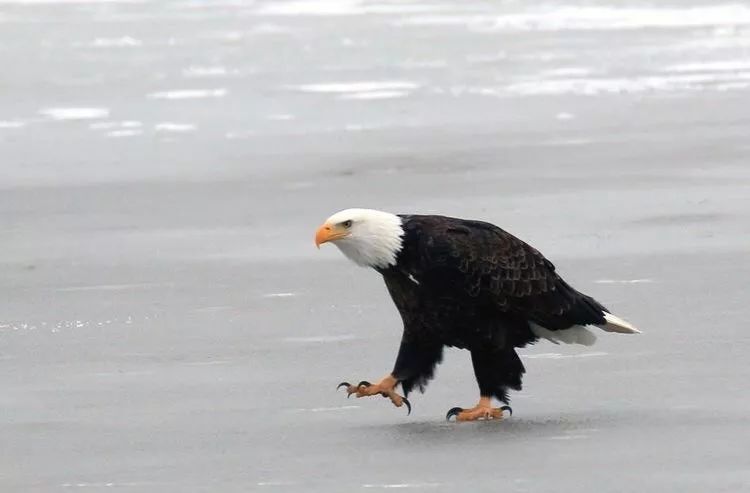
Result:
75,113
189,94
168,325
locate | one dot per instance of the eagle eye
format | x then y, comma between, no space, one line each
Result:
347,224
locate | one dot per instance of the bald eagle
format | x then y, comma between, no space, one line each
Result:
466,284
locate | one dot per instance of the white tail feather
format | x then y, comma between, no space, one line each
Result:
616,324
574,335
579,334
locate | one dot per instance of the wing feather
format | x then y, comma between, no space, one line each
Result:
484,263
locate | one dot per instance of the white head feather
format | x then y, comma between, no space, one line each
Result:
374,239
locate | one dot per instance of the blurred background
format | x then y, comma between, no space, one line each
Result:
166,323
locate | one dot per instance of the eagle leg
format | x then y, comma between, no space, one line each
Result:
386,387
483,410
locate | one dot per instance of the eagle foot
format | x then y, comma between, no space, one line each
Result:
385,388
483,410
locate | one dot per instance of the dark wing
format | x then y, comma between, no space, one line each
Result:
481,262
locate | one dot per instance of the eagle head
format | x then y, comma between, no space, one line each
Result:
368,237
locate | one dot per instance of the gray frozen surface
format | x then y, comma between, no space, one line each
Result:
167,325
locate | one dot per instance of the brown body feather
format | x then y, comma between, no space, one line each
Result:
472,285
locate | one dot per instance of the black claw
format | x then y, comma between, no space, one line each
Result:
453,412
507,408
408,406
343,384
363,382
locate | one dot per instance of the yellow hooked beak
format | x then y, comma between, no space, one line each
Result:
327,233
